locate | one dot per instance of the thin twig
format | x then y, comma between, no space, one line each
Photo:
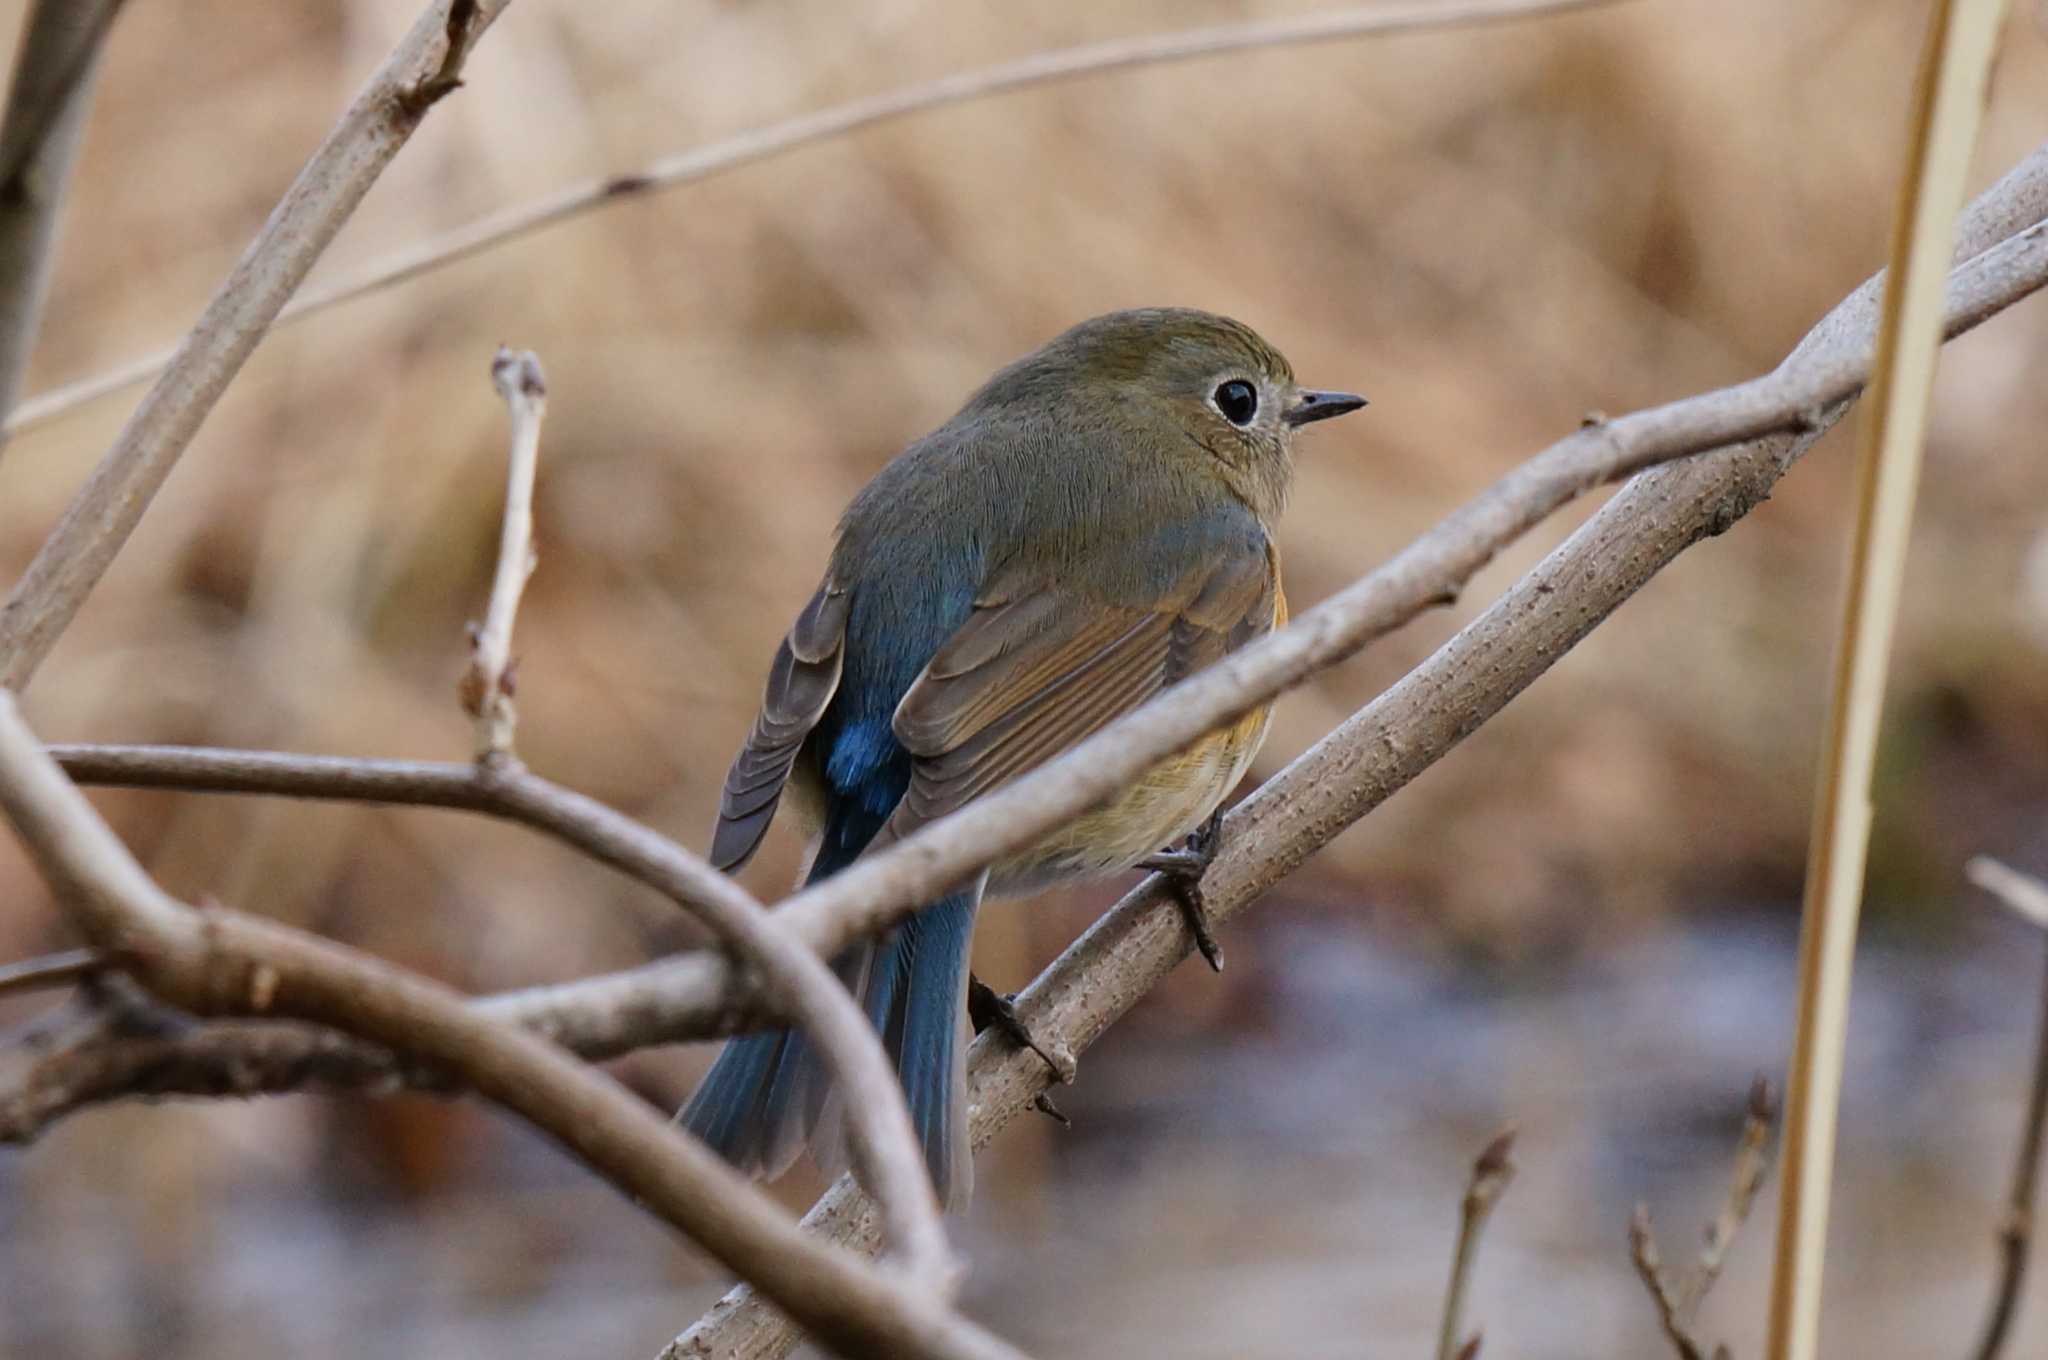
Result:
488,683
1962,38
97,523
45,123
1752,1163
2026,897
51,970
776,139
1407,729
1642,1253
222,962
2022,894
1492,1172
1678,1303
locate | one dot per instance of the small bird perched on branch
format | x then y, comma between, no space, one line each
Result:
1094,525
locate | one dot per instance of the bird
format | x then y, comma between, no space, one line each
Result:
1095,524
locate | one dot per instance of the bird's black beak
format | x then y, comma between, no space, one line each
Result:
1311,405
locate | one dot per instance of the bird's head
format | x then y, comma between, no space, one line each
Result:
1202,391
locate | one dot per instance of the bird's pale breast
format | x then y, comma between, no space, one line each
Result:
1165,804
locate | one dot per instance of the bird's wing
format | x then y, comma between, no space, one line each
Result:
1038,667
800,686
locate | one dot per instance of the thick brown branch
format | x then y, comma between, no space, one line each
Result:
106,510
111,1043
786,979
221,962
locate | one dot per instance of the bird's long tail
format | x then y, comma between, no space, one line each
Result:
768,1095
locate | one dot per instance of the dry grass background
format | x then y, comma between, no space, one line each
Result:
1489,232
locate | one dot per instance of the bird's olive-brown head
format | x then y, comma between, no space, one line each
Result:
1200,390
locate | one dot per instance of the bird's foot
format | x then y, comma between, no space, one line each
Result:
986,1007
1184,869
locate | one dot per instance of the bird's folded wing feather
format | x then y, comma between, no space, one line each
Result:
1039,666
801,684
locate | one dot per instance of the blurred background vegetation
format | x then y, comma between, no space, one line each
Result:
1582,920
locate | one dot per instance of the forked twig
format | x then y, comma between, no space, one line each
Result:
1642,1252
1752,1163
1678,1301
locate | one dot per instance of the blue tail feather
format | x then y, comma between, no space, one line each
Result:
767,1093
920,1016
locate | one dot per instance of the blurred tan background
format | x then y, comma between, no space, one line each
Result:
1582,920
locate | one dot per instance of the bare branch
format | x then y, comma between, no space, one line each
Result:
2022,894
45,122
1492,1172
106,510
2028,898
487,684
776,139
52,970
1408,728
786,979
221,962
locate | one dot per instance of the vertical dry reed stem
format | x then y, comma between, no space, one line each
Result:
1948,105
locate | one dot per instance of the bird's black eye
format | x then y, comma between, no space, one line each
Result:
1238,400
